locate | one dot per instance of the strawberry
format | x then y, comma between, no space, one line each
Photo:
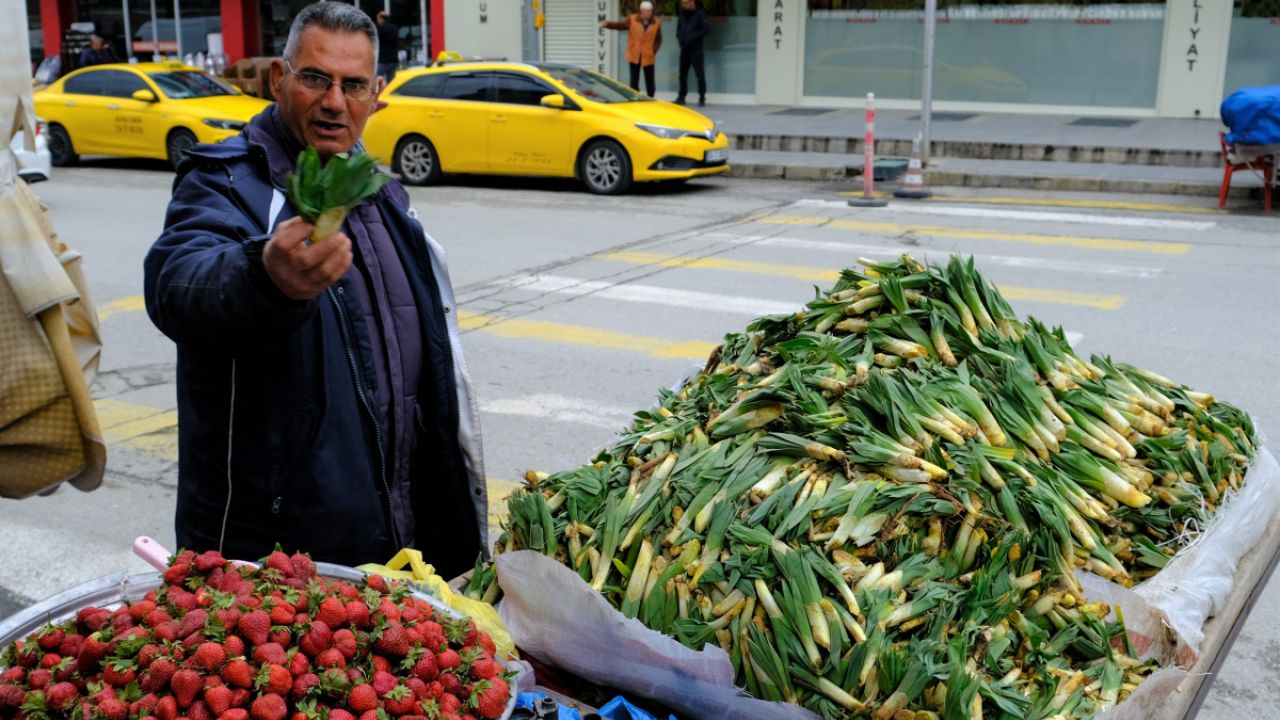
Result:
274,678
369,715
199,710
299,664
332,612
177,573
207,561
218,698
235,714
281,563
167,708
270,653
384,682
400,701
450,704
12,697
361,698
161,671
493,699
340,714
119,673
303,567
331,658
345,641
376,582
268,707
393,642
432,634
192,622
317,639
167,631
448,659
302,686
451,683
234,645
181,600
358,615
13,676
410,616
419,688
113,709
61,697
210,657
426,667
485,669
380,663
282,613
238,673
71,645
240,698
141,609
228,617
39,679
49,638
254,627
186,684
281,635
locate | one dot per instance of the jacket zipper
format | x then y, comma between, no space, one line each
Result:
373,417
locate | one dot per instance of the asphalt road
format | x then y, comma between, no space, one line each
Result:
579,307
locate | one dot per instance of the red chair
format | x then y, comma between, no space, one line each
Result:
1264,164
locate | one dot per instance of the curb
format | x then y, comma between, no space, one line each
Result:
946,178
974,150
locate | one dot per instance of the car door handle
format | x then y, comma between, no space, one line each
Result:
498,119
71,103
113,106
435,114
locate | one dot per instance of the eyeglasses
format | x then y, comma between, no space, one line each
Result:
357,90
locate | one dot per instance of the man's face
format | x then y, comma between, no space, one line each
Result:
329,121
96,42
646,13
687,4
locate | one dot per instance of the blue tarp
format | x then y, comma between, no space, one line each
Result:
1253,114
617,709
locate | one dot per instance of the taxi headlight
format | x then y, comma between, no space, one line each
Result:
224,124
662,131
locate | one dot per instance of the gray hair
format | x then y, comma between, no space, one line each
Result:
332,16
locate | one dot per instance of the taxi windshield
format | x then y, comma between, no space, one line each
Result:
593,86
184,85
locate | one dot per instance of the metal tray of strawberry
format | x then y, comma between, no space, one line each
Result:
212,640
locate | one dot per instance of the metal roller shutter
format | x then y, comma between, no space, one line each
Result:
570,34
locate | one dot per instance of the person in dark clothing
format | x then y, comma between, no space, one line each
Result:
323,399
98,52
692,29
388,47
644,39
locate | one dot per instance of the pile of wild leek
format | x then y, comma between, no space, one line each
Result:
876,505
322,192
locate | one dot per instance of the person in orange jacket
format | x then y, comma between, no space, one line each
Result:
644,38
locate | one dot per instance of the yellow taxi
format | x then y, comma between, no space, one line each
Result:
146,110
537,119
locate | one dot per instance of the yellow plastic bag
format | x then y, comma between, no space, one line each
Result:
424,575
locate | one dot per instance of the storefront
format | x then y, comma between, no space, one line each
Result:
1124,57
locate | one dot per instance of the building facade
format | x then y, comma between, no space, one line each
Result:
1176,58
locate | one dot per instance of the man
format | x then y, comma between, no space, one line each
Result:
98,52
691,29
388,42
323,401
644,38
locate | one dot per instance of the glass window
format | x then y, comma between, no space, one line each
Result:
1053,53
466,86
427,86
184,85
591,85
89,83
123,84
729,49
520,89
1251,54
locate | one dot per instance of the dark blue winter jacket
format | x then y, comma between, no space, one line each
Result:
278,437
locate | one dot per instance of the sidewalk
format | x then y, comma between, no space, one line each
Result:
1044,152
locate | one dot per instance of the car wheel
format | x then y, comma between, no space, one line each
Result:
61,152
180,141
604,167
416,161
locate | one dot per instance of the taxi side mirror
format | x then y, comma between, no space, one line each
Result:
144,95
552,101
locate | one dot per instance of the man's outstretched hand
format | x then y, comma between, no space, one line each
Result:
303,271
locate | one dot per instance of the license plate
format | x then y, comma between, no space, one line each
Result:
712,156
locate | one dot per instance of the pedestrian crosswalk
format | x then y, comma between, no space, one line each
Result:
638,317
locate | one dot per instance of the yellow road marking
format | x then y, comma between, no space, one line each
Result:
141,428
131,303
1046,202
797,272
499,490
889,228
522,329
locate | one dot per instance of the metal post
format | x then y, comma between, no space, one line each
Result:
128,31
868,198
177,27
926,87
426,39
155,32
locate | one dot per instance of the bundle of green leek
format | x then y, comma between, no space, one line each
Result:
876,505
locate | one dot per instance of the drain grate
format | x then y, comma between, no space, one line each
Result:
947,117
1103,122
803,111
